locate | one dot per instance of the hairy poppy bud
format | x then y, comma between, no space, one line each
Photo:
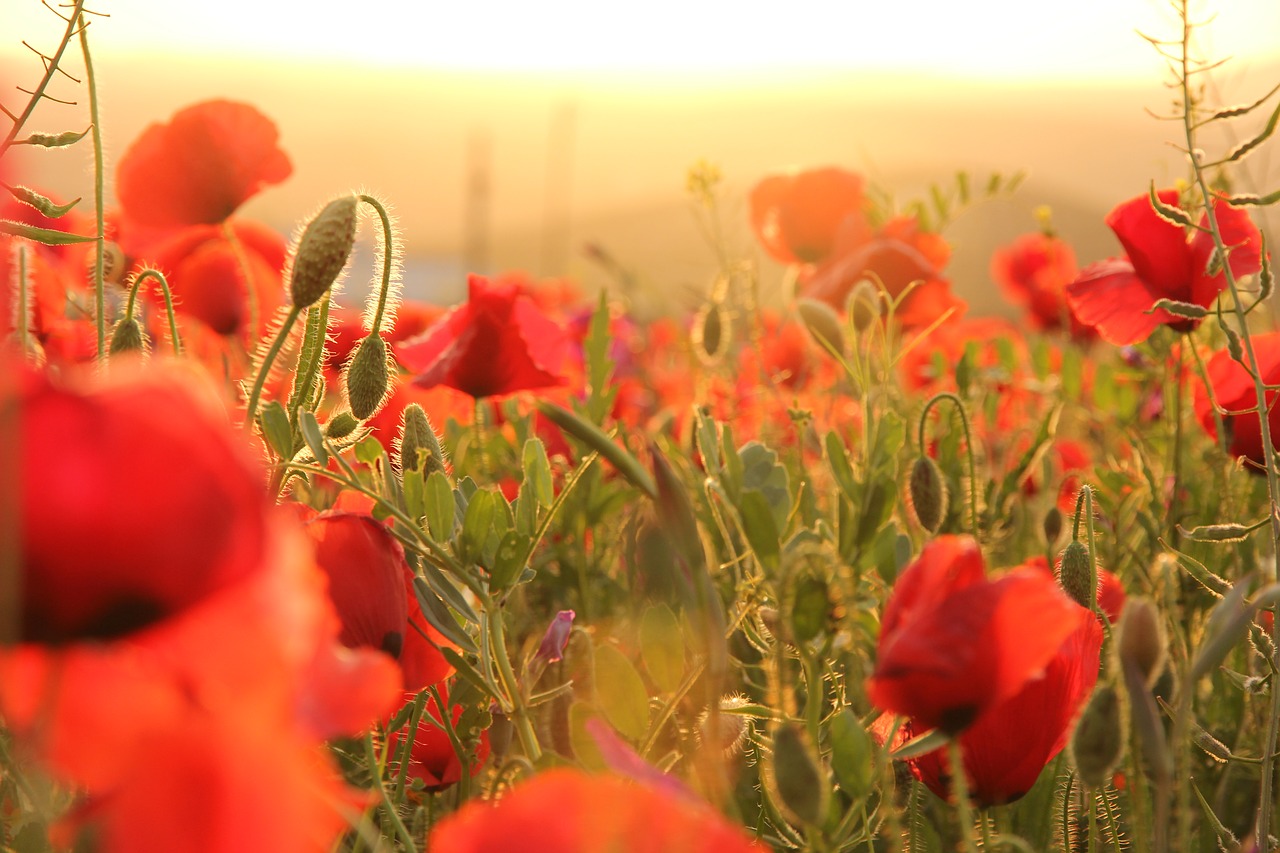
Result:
1052,525
127,336
367,380
864,305
341,425
712,332
1076,575
822,322
1141,638
1098,741
417,433
729,731
927,494
323,250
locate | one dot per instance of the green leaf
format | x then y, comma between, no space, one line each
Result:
1249,144
620,693
440,506
311,434
1168,212
810,608
708,438
41,235
596,439
415,494
512,556
853,754
275,425
595,348
465,669
920,745
762,472
449,593
482,510
838,462
438,616
42,203
662,647
537,473
369,451
584,745
761,529
55,140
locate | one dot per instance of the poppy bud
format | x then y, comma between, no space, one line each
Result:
417,433
798,776
113,263
323,250
367,380
1098,741
927,494
1141,638
1076,575
1052,525
729,732
127,336
341,425
822,322
712,332
864,305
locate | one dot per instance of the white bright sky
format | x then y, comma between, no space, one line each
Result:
1029,39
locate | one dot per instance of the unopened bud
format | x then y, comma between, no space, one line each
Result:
127,336
712,332
1098,741
556,638
927,494
822,322
113,263
1076,575
729,731
417,434
341,425
864,305
367,379
1052,525
323,250
797,774
1141,638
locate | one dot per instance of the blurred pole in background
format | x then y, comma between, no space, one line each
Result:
475,251
558,192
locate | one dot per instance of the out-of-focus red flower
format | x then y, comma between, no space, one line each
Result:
796,216
1034,271
1115,296
496,343
432,757
954,644
899,254
366,568
570,811
199,167
1233,390
1005,751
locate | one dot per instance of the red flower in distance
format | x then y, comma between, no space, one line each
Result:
570,811
1006,750
496,343
954,644
796,216
1034,271
1233,389
1115,295
200,166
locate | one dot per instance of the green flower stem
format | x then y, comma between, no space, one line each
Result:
251,292
138,281
960,791
99,170
73,19
251,408
968,441
406,747
1266,795
388,246
389,810
519,710
1171,520
24,310
1203,373
463,792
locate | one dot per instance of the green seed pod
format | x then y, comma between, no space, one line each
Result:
1052,525
367,377
712,332
822,322
322,251
417,433
127,336
1076,575
927,494
798,777
341,425
1097,744
1141,639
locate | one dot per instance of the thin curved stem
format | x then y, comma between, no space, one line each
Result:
968,442
251,408
168,303
388,257
99,169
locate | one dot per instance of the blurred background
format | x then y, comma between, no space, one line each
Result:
514,135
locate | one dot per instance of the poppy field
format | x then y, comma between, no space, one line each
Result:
859,570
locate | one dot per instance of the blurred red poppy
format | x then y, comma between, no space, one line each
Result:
1115,296
496,343
1233,390
199,167
570,811
432,757
796,216
1006,750
954,644
1034,271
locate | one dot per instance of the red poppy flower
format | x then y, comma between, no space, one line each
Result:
1116,295
796,217
496,343
899,254
1006,750
1233,389
1034,271
954,644
199,167
366,569
570,811
432,757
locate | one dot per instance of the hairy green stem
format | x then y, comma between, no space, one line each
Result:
389,809
519,710
251,408
99,178
968,441
388,248
960,792
138,281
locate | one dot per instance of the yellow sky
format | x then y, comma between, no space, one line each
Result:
1029,39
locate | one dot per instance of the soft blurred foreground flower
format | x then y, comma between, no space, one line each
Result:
1233,389
954,644
796,216
1116,295
497,342
175,652
570,811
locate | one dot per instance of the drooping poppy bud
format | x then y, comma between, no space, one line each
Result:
927,495
367,377
323,251
1098,742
